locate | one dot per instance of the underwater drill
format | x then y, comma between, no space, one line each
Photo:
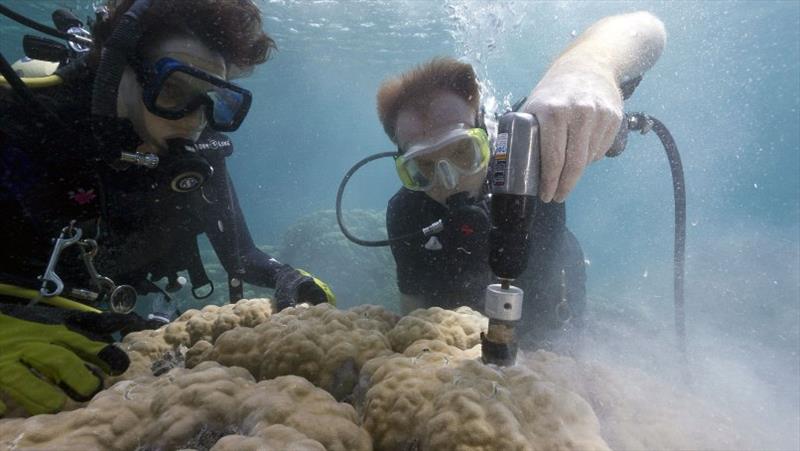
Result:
514,184
514,180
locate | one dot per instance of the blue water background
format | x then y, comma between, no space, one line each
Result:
727,86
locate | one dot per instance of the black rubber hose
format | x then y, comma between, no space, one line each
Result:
20,88
113,60
644,123
679,252
340,194
30,23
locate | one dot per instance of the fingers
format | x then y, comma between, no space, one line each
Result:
571,137
577,152
35,395
63,368
553,137
607,132
108,357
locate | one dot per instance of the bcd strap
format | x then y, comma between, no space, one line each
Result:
197,272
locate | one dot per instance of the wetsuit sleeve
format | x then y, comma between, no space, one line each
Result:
230,237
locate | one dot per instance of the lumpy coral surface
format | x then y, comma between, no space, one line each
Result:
239,377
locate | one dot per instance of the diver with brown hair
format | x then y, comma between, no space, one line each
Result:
109,171
432,113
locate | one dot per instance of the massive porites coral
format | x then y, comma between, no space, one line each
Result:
321,343
439,397
416,383
208,407
156,351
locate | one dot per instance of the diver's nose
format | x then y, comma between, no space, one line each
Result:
447,174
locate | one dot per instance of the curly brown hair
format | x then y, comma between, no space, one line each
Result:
231,27
414,88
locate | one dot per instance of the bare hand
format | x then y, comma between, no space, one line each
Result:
579,112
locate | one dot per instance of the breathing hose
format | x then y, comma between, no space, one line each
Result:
113,60
431,229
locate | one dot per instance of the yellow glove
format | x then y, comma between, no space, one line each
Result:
42,360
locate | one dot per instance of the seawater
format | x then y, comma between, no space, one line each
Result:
727,86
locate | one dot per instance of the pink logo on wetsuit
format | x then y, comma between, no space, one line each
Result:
82,197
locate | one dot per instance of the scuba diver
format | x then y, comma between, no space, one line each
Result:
110,168
445,163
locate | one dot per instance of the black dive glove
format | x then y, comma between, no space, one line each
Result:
295,286
44,353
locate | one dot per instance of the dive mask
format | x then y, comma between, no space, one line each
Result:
459,152
172,89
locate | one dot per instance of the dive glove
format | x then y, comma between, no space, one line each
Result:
295,286
44,353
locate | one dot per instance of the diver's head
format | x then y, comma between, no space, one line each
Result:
178,82
431,114
154,129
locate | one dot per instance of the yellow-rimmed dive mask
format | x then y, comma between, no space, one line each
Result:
447,157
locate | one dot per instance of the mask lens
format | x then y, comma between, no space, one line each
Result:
420,174
463,154
181,92
227,104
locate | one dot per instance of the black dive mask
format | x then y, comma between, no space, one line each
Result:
183,167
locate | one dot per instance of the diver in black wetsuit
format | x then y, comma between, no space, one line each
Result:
451,268
433,115
87,166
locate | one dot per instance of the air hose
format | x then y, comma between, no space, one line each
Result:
121,45
436,227
644,123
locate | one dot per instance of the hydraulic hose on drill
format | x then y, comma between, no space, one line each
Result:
507,264
644,123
